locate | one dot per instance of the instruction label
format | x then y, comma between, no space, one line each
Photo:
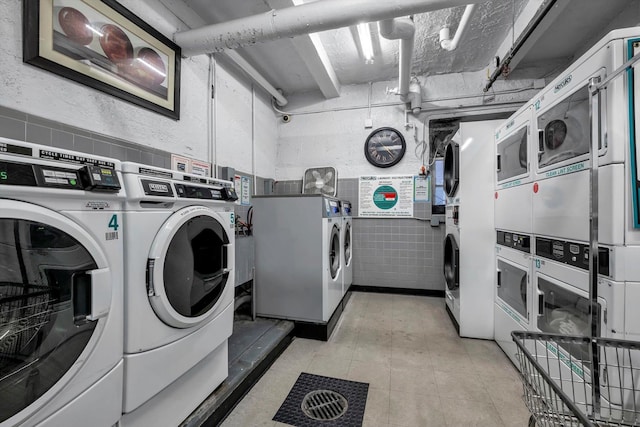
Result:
386,196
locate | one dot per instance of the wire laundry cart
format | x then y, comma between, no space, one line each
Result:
24,310
560,390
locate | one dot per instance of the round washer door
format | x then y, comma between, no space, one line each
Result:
451,168
52,278
187,270
347,244
451,262
334,251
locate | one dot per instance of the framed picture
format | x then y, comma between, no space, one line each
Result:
102,44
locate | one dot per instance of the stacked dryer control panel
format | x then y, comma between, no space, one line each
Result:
542,203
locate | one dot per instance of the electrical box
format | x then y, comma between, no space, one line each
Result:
268,186
227,173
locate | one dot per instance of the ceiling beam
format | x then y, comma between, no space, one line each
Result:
315,58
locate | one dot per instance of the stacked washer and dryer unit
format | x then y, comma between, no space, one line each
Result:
549,205
469,229
61,287
513,222
179,292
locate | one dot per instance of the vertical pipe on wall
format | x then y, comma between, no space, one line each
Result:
253,139
210,113
214,102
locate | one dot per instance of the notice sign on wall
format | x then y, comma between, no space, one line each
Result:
385,196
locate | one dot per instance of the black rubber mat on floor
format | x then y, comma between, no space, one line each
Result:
355,392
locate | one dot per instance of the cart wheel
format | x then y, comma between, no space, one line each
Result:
532,421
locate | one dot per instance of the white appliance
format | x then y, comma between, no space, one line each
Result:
179,292
61,233
512,311
346,237
470,188
562,129
513,173
298,257
562,305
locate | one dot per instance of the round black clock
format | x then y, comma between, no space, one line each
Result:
384,147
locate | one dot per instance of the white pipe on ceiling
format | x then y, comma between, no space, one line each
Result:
304,19
445,41
403,29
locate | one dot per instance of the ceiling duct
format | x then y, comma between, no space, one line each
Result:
303,19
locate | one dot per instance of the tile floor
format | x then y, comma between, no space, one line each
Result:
420,373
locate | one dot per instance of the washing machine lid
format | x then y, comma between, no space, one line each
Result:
54,288
334,252
347,244
451,168
188,266
451,262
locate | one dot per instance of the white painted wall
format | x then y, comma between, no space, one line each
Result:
331,132
39,92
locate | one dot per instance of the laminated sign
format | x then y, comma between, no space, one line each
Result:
385,196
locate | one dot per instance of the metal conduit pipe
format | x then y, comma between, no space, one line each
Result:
303,19
542,12
445,41
403,29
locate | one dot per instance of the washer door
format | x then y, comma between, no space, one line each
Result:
347,245
451,262
451,168
334,251
54,286
188,267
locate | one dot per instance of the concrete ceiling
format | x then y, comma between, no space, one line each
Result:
331,58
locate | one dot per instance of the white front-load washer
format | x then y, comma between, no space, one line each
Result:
61,234
347,246
513,288
298,258
513,178
179,293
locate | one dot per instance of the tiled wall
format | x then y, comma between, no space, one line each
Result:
390,252
26,127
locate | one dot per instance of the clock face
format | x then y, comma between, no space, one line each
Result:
384,147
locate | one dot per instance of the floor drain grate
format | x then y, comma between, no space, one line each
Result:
324,405
318,401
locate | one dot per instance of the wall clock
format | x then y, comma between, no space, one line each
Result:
384,147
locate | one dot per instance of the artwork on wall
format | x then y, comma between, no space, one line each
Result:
102,44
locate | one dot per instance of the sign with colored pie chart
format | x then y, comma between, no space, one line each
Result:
385,196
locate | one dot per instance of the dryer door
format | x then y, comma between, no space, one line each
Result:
54,286
564,131
451,262
188,266
512,156
512,284
451,168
